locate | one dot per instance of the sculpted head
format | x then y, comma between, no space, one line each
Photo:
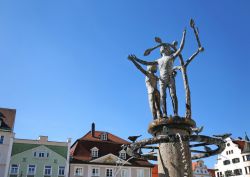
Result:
165,50
152,68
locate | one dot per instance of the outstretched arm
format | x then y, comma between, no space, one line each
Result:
193,56
138,66
181,46
133,57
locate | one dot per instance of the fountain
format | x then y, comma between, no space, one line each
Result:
175,137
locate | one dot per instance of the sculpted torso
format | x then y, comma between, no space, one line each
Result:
165,65
151,83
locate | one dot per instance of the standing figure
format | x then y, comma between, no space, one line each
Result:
166,68
151,84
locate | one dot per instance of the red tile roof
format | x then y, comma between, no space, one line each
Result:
9,117
81,150
240,143
194,165
97,137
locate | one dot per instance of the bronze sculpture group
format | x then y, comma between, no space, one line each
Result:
167,72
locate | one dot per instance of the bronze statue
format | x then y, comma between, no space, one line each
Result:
166,68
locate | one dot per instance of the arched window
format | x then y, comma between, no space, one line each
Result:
94,152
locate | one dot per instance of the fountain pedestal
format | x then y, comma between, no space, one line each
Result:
174,158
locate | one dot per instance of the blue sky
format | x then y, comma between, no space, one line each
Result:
64,64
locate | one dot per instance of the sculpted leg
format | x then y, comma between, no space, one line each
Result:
151,105
157,103
174,99
163,99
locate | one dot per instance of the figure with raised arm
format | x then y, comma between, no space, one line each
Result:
151,84
166,69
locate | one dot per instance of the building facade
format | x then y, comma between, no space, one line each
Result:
235,159
100,154
200,169
39,158
7,119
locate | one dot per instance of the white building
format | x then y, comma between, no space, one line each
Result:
234,160
7,119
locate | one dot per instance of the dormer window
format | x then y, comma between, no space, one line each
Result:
122,154
94,152
104,136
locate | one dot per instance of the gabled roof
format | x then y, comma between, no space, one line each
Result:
109,158
22,147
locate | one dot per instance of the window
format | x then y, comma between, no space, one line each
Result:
232,151
122,154
237,172
124,173
219,174
95,172
47,170
14,169
247,158
31,170
247,170
226,162
104,136
228,173
78,171
236,160
61,171
109,172
1,139
140,173
94,152
41,154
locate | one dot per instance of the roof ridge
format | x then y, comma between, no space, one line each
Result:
97,131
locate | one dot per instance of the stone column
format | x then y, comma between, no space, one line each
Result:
171,162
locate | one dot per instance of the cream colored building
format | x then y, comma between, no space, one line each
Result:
200,169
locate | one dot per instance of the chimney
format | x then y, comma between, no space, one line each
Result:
93,129
43,139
